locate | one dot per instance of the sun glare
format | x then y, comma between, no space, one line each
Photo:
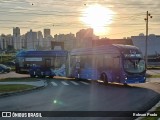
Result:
98,18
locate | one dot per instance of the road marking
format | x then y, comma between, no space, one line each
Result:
75,83
54,84
84,83
64,83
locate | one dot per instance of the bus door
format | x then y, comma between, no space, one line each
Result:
78,67
116,71
47,62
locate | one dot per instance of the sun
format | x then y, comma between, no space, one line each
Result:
98,18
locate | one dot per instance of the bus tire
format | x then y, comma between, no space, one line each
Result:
42,76
32,76
51,76
40,73
125,84
104,78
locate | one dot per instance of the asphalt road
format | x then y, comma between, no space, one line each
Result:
65,95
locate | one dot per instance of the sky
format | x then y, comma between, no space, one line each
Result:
111,19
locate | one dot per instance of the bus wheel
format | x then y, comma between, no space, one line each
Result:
51,76
32,76
104,78
125,84
41,74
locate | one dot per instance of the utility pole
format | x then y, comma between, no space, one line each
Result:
146,48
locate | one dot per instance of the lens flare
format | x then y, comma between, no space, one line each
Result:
97,17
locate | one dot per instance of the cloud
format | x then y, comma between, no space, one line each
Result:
64,14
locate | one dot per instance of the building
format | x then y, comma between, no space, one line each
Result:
69,40
16,31
47,39
24,41
31,40
57,45
106,41
85,37
40,40
6,42
9,40
47,32
3,42
153,44
17,43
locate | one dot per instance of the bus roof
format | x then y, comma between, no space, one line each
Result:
112,49
40,53
127,48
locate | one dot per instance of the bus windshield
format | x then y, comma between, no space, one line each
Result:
134,65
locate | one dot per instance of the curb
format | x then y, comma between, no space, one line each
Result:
6,94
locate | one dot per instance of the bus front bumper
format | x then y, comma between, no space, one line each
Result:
130,80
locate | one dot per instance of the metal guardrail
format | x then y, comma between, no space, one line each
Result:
153,64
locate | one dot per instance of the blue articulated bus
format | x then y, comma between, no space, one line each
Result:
42,63
109,63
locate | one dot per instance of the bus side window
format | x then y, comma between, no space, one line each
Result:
108,62
116,63
94,61
99,62
58,62
47,62
88,61
82,61
73,61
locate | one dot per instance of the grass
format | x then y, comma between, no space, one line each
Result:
152,118
14,88
25,79
153,76
6,58
153,68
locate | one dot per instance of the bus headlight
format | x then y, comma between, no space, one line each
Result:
125,78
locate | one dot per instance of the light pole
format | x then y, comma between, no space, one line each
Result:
146,46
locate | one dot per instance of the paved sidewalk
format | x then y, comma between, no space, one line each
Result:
155,80
153,72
